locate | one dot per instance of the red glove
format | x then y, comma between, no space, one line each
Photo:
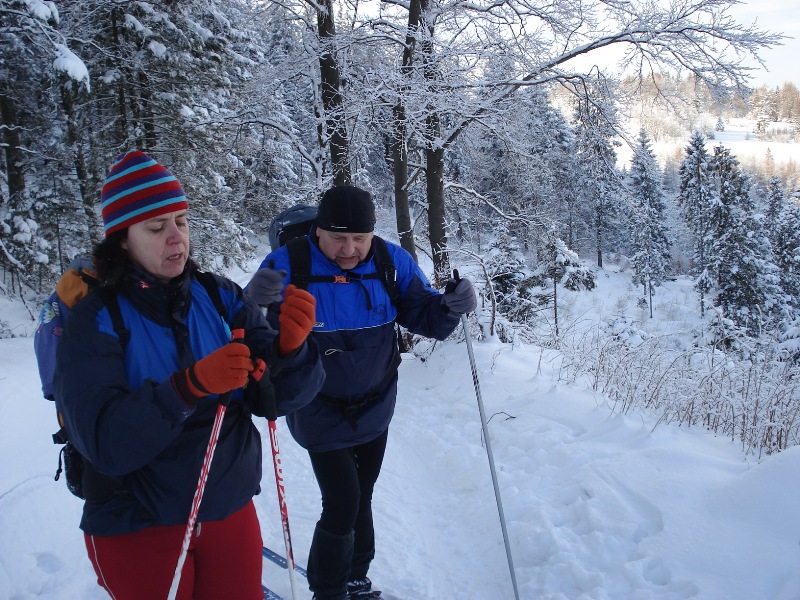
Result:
223,370
296,319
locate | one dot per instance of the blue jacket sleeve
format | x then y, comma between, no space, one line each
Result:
419,308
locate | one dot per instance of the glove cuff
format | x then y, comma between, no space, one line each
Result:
188,387
284,351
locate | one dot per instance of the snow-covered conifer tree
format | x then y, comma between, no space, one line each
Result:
740,253
786,252
775,205
695,198
560,265
598,178
651,256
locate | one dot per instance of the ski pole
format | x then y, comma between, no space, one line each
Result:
272,424
485,428
287,538
236,336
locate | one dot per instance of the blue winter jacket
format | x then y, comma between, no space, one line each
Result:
358,345
124,415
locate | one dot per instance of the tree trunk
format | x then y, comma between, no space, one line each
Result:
147,119
399,136
599,237
331,91
12,143
400,171
79,160
434,166
121,122
434,159
555,303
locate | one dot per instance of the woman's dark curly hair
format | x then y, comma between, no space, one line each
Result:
111,259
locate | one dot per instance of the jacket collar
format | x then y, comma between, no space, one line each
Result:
163,303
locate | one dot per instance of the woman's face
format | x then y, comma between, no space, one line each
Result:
160,245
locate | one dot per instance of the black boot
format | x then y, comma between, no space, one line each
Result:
329,564
361,589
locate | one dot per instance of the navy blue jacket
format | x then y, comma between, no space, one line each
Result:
124,415
359,347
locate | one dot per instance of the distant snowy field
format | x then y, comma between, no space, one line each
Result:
599,505
744,145
739,137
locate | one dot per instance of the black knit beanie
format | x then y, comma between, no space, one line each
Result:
346,209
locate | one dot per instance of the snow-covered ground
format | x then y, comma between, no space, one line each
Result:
598,505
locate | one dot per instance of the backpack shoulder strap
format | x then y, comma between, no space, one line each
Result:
212,289
384,265
300,265
299,261
109,298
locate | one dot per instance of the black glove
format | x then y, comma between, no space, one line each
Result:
459,296
260,396
266,286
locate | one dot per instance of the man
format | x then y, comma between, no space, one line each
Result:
345,427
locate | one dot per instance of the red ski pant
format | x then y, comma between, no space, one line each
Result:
224,560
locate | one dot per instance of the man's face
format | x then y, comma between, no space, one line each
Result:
345,249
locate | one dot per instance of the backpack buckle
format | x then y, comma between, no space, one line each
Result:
340,279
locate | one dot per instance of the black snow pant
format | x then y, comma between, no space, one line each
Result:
343,545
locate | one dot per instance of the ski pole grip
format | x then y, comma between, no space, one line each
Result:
266,391
270,404
237,335
266,397
451,284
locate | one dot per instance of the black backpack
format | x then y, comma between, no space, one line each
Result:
288,224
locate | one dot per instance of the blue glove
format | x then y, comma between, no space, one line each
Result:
459,296
266,286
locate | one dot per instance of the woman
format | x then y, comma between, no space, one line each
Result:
141,410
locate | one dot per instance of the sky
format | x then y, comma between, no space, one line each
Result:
776,16
780,16
598,505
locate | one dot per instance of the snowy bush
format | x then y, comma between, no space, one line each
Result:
751,400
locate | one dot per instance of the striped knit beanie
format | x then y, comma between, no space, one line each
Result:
138,188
